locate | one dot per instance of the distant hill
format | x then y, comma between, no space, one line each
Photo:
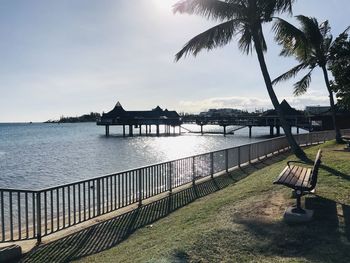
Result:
84,118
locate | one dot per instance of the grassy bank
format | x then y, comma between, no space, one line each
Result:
243,222
236,218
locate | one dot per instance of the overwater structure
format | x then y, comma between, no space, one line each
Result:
141,119
269,118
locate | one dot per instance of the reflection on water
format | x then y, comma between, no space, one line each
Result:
41,155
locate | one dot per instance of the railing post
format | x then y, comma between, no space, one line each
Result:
249,154
311,139
193,171
38,219
226,160
239,157
2,216
212,165
257,151
98,193
140,187
170,179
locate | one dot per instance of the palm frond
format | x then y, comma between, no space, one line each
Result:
346,30
311,29
290,73
284,6
292,39
246,40
271,7
325,29
327,43
301,86
214,37
210,9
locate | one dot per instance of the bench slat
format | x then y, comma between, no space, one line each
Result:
282,175
288,173
307,178
301,178
292,175
299,173
304,181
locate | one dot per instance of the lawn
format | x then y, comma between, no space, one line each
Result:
241,222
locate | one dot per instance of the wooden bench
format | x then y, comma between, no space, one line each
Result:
301,179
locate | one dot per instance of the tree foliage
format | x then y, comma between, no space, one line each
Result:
339,65
239,18
310,44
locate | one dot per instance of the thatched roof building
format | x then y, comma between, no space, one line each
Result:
287,110
119,116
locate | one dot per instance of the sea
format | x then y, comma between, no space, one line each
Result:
39,155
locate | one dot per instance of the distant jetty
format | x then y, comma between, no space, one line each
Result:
92,117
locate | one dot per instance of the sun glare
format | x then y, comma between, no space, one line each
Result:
163,6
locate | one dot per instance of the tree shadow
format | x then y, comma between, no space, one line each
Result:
335,172
346,215
255,239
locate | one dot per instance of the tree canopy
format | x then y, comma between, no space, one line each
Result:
310,44
339,65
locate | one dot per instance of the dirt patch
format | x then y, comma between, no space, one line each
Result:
267,207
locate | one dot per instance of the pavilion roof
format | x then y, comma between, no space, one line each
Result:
156,113
287,110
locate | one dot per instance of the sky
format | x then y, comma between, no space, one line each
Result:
71,57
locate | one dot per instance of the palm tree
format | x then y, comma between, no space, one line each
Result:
310,45
243,18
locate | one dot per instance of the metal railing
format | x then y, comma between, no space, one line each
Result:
28,214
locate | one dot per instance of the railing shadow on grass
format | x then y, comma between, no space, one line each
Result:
107,234
324,239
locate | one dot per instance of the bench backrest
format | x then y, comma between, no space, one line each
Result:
315,169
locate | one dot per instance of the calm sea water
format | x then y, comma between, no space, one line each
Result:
37,155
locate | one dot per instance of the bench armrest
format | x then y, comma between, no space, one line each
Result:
295,162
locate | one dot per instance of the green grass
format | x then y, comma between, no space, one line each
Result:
242,222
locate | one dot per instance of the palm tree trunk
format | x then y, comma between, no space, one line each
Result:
333,109
286,127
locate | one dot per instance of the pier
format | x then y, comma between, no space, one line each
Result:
141,120
232,124
269,119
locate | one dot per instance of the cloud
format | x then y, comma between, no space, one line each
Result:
250,103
